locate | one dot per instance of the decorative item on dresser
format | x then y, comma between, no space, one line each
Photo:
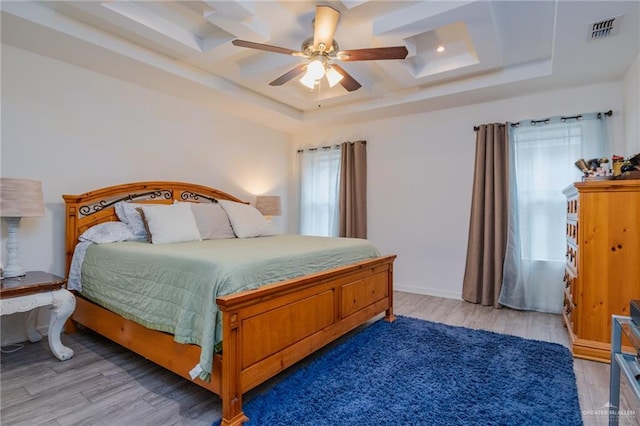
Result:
602,273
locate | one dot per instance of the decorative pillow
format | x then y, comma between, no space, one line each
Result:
128,213
170,223
246,220
212,221
108,232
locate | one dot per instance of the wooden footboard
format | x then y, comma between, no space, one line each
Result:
265,330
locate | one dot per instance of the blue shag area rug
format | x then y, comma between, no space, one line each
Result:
415,372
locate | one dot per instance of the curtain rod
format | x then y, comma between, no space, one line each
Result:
326,147
562,118
320,148
476,128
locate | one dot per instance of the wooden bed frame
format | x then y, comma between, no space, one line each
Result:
256,345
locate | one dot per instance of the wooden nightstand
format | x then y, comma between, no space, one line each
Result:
35,289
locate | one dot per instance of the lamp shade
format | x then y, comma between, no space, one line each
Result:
21,198
269,205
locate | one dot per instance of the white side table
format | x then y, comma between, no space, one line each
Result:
35,289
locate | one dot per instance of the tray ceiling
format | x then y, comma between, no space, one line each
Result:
493,49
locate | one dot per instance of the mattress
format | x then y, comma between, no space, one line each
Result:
173,287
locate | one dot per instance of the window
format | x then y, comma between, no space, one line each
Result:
542,163
319,177
544,157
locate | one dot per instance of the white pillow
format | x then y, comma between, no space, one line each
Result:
108,232
170,223
246,220
128,213
212,221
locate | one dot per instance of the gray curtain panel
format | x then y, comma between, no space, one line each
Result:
489,217
353,190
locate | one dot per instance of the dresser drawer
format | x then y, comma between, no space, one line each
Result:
570,282
568,309
572,258
572,206
572,231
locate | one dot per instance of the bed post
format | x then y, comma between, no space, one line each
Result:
71,237
231,392
388,315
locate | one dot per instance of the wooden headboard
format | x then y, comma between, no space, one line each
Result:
91,208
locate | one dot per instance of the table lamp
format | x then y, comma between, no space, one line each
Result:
268,205
18,198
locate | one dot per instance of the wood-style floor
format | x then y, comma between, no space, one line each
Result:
104,384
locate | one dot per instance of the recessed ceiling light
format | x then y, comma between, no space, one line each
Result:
440,49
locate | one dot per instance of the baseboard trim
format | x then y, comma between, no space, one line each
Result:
437,292
14,326
20,337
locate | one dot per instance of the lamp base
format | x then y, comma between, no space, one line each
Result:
14,272
12,269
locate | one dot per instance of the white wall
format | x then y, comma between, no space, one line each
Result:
76,130
420,173
631,88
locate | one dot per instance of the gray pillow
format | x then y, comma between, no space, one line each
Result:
212,221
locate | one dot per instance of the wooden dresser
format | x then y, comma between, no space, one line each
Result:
602,274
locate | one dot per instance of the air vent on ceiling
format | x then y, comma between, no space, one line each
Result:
605,28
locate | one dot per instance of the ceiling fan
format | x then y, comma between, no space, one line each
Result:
322,50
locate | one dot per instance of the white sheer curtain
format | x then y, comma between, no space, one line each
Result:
541,164
319,171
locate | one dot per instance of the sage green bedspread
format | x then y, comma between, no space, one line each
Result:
173,287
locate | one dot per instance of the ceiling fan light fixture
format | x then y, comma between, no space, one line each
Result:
333,76
308,81
316,69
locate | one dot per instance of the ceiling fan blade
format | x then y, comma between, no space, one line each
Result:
347,81
324,26
266,47
289,75
373,54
